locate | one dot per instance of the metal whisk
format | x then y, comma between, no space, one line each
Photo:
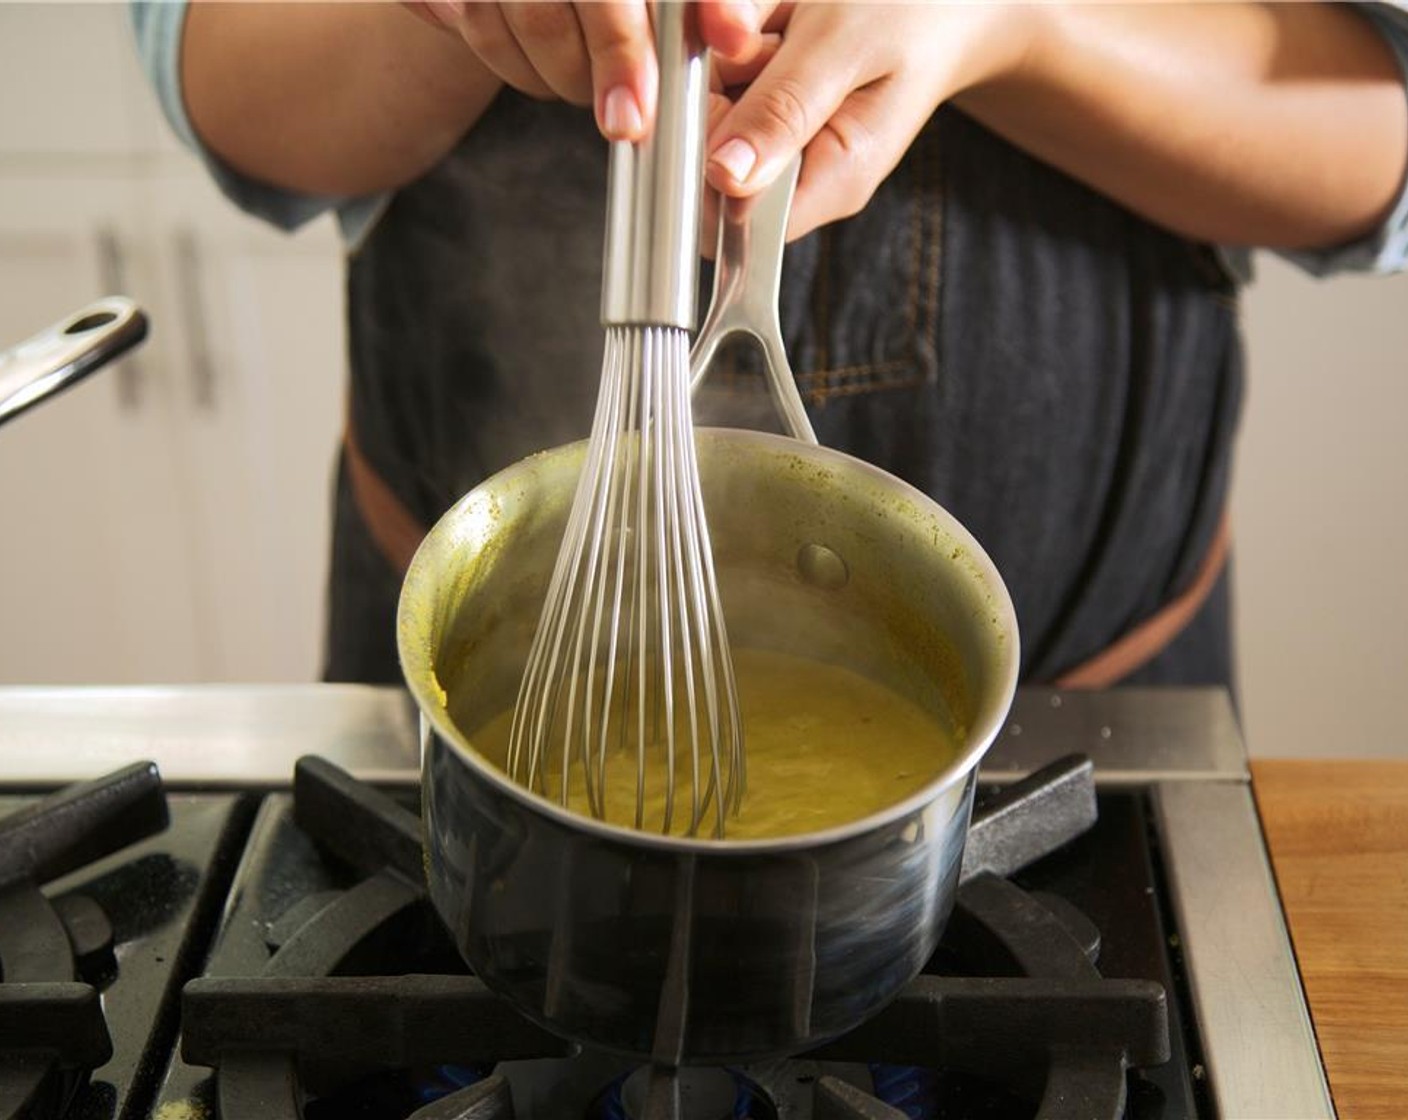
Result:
631,649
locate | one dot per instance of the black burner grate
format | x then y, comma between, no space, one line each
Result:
52,1030
1040,1017
1059,1033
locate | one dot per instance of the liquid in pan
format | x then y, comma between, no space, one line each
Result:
825,746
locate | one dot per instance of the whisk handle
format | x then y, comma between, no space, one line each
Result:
655,191
747,279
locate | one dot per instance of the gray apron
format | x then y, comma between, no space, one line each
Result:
1061,375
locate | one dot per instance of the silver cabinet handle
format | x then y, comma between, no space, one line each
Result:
112,268
192,296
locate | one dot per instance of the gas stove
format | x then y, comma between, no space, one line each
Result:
225,933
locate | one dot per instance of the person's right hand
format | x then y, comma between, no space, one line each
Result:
590,52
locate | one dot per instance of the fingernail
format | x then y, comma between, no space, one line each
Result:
620,113
737,157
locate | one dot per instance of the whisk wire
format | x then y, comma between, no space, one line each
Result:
631,634
656,376
696,539
615,485
679,663
529,718
622,486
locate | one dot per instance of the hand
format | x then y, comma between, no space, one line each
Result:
591,52
852,84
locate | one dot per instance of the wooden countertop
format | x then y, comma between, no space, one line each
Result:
1338,834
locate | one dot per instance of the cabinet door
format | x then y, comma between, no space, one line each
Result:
72,85
167,520
255,322
95,567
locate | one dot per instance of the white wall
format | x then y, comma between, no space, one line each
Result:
1321,546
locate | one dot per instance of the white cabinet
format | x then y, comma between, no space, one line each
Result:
254,331
166,520
71,85
92,583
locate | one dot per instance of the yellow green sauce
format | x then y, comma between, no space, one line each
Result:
824,746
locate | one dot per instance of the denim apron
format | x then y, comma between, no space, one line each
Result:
1061,375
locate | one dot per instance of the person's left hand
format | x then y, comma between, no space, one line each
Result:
852,84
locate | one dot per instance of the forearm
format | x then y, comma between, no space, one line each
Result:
1278,124
339,99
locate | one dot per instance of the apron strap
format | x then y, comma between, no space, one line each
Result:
398,534
1146,640
392,526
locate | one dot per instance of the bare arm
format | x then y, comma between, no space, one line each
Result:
340,99
1258,124
354,98
1273,124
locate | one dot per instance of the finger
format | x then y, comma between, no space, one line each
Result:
731,73
440,14
624,76
811,75
718,109
730,27
853,153
551,39
716,27
486,31
777,16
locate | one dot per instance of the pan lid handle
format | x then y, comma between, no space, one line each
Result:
67,352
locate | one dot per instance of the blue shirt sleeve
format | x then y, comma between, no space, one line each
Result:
157,25
1384,249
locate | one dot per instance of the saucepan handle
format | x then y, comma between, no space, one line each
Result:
747,278
67,352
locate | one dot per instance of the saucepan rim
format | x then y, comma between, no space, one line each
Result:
423,573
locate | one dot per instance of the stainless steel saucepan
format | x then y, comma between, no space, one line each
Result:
694,950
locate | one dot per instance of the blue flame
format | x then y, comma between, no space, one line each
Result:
911,1089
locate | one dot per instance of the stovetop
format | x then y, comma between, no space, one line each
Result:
270,953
